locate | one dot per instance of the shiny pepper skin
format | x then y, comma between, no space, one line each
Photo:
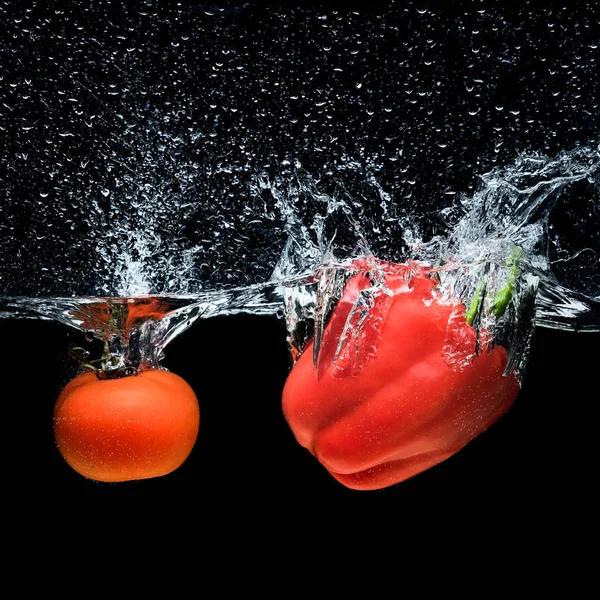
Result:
393,403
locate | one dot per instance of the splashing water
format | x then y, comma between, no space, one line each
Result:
170,164
502,238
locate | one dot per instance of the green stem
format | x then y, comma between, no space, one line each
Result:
114,362
474,308
504,296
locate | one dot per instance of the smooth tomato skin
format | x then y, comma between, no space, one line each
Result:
407,409
126,429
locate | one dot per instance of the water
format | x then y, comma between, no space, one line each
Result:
166,164
136,330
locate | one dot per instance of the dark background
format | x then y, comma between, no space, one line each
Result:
541,456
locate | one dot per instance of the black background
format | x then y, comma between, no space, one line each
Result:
541,456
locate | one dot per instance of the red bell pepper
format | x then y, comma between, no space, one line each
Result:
398,386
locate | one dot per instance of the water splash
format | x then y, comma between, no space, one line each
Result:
498,252
513,209
240,160
520,206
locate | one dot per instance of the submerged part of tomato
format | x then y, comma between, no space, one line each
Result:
129,428
389,398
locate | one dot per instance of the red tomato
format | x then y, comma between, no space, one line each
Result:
129,428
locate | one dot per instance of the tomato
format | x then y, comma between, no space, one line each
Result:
401,393
129,428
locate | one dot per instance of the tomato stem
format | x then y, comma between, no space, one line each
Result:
115,361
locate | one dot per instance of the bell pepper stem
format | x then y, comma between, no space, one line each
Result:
474,308
502,297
